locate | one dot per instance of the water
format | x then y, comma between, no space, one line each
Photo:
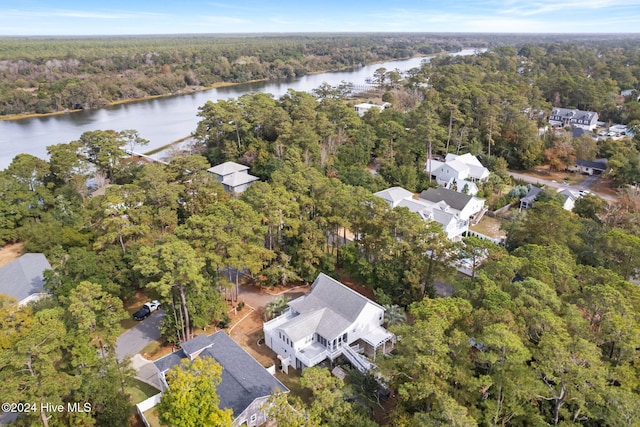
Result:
162,120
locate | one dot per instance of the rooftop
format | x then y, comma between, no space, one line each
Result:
23,277
243,378
228,168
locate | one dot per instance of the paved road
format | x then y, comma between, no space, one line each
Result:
586,184
135,339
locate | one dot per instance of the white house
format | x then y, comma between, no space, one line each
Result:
330,321
575,118
459,172
394,195
468,208
361,109
570,198
233,176
452,224
587,167
23,280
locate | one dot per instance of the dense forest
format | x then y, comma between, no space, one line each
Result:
44,75
52,74
546,332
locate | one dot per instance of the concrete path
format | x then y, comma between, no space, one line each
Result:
258,298
135,339
145,371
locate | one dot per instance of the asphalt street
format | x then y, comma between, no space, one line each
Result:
586,184
135,339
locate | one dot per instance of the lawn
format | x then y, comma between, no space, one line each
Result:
140,391
489,227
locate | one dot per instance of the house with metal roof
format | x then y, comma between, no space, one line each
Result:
245,386
330,321
234,177
23,280
575,118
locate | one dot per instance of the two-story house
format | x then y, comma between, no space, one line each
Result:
233,176
453,225
575,118
245,386
468,208
330,321
458,172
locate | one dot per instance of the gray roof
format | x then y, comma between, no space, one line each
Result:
394,194
532,194
228,168
600,164
196,344
330,308
453,198
23,277
568,113
243,378
238,178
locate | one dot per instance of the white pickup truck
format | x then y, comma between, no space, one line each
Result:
146,310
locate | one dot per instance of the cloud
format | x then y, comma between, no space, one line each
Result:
225,20
83,14
568,6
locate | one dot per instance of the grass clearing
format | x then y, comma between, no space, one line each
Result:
292,381
151,416
140,391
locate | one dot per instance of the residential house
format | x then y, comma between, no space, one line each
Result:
468,208
245,386
570,198
394,195
587,167
330,321
362,108
528,200
233,176
450,220
458,172
575,118
23,278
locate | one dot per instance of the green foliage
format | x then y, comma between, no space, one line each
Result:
191,399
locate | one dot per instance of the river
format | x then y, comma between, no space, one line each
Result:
161,120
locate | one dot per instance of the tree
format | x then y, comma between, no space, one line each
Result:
275,308
394,315
172,265
103,148
191,399
30,370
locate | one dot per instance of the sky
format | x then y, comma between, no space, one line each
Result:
87,17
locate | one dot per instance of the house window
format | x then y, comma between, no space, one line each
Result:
253,419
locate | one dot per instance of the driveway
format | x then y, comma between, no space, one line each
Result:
586,184
135,339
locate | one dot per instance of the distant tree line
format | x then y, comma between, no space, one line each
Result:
45,75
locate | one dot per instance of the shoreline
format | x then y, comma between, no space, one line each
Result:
185,91
188,90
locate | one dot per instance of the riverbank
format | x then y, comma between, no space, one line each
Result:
185,91
196,89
